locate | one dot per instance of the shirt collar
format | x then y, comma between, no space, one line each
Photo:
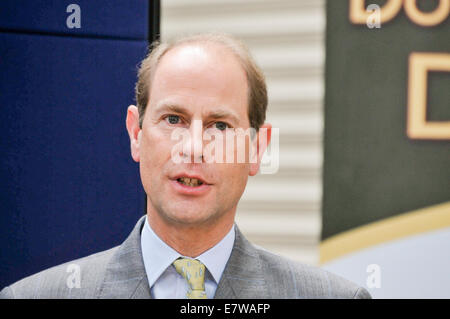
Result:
216,258
158,256
156,253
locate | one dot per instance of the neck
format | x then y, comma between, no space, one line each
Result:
190,240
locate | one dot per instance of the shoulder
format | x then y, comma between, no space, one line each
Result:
79,278
291,279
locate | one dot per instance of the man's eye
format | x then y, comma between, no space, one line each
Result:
173,119
221,126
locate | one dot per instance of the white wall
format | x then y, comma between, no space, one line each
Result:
412,267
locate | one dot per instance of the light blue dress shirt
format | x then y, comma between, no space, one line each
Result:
164,281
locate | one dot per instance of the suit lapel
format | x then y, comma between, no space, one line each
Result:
125,275
243,277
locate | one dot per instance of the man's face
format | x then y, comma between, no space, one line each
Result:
194,88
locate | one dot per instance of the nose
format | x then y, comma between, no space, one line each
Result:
193,145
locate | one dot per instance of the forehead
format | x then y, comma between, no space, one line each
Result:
199,74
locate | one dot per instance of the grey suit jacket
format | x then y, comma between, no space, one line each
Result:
119,272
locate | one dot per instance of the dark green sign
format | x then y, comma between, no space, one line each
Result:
373,168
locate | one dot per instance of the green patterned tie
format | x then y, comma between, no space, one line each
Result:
194,272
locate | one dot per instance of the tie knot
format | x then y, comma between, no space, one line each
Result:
194,272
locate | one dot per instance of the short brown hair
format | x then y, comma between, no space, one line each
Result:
257,91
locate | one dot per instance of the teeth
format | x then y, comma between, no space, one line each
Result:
190,181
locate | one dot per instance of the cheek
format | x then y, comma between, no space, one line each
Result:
234,177
155,143
155,151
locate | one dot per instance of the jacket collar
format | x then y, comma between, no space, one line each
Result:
243,277
125,275
126,278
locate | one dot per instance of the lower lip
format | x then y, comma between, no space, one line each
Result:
190,190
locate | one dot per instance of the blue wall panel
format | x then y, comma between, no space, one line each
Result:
102,18
69,187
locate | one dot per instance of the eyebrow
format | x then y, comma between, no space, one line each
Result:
219,113
170,107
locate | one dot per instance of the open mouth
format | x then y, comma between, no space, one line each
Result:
192,182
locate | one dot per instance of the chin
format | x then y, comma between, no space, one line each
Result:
190,215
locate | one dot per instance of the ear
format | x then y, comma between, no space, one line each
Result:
134,131
262,141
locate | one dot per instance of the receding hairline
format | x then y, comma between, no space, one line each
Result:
207,41
201,41
256,86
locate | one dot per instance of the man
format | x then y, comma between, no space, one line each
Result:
187,245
